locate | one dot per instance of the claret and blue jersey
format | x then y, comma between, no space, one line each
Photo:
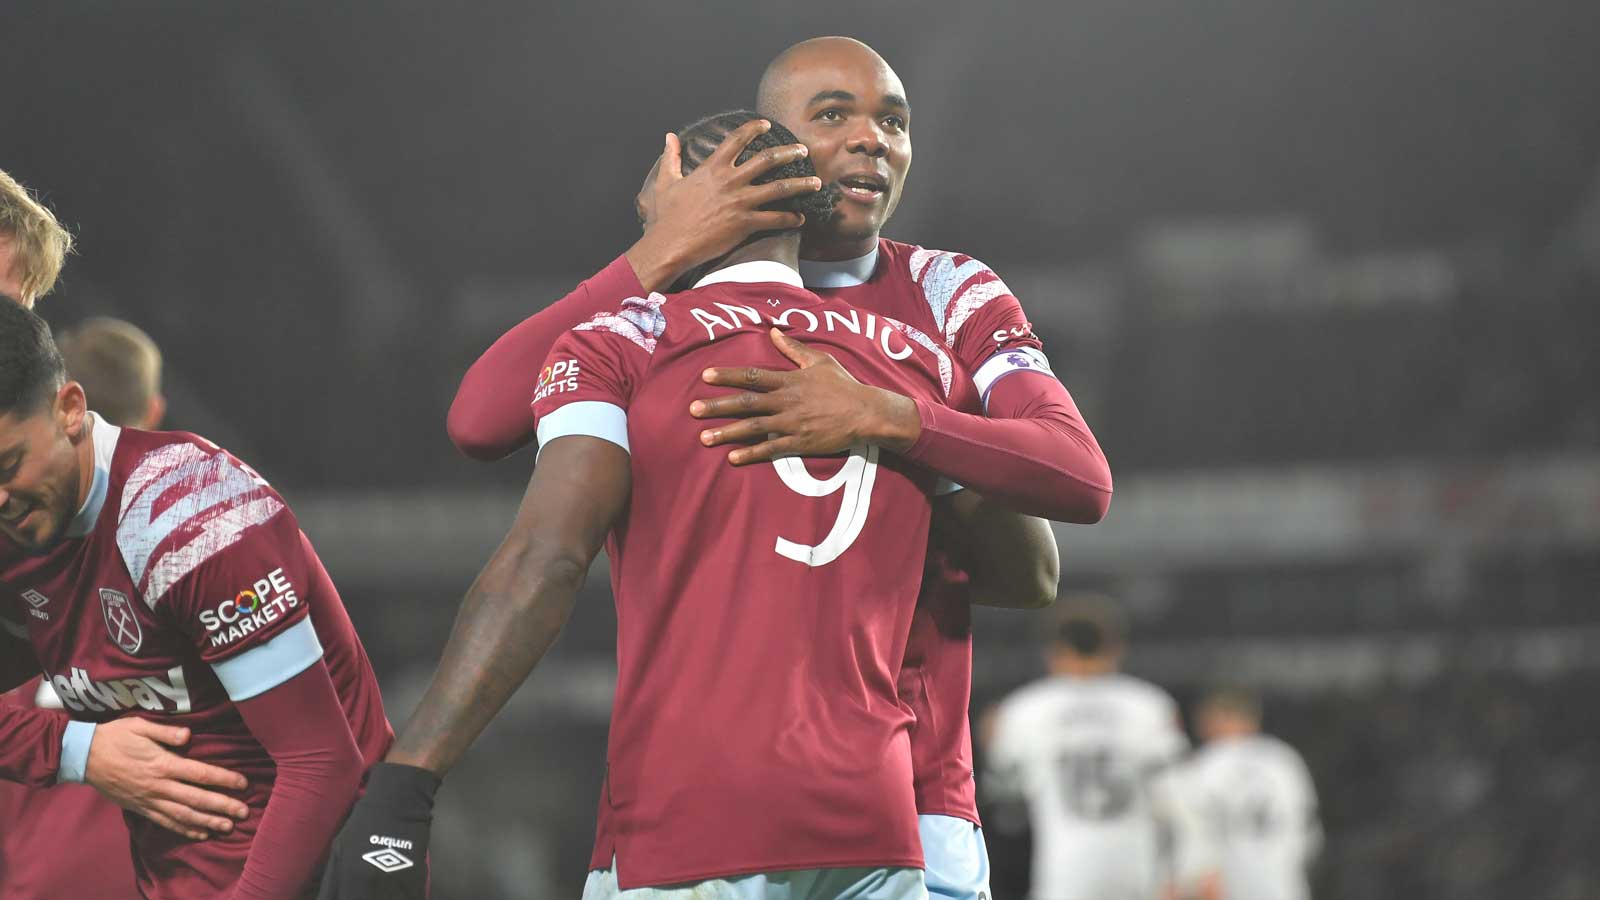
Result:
764,610
184,586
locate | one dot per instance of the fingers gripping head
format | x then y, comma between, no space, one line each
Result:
700,139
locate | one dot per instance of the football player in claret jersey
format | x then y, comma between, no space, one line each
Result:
1257,799
154,575
1030,448
1090,751
758,745
48,830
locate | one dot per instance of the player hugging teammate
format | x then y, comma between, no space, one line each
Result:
794,635
799,665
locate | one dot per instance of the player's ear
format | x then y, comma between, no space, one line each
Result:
154,413
71,410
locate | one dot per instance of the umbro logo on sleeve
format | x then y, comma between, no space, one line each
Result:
389,859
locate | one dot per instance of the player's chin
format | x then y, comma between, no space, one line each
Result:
36,533
854,223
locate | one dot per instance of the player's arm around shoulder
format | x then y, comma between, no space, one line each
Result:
688,220
1058,458
1030,448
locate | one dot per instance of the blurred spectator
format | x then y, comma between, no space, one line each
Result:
120,370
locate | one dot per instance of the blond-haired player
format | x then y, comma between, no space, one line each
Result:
33,245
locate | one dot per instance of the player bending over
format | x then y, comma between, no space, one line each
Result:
152,575
50,830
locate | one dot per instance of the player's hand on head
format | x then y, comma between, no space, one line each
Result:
130,764
695,218
816,409
381,853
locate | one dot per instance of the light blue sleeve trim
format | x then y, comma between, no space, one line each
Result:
75,752
260,669
594,418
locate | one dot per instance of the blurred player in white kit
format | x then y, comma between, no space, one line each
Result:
1091,750
1257,799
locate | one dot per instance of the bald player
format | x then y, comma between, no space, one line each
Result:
1029,451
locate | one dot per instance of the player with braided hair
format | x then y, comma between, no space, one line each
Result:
758,746
701,139
1028,451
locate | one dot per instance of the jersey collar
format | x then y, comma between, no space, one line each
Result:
839,273
754,272
104,436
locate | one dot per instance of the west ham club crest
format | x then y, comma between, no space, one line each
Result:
121,623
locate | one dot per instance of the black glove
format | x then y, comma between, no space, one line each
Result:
382,851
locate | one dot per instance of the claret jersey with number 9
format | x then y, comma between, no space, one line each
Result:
763,611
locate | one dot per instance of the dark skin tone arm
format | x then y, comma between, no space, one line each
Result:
517,607
1011,559
811,407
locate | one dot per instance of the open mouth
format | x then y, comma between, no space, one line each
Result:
864,187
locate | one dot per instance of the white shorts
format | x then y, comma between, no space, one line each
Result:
956,857
804,884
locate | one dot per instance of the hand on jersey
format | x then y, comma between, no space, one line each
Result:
814,410
695,218
381,853
129,763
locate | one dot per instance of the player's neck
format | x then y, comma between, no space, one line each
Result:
85,452
1084,666
1232,731
831,249
779,248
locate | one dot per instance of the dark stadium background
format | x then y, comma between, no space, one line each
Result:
1322,274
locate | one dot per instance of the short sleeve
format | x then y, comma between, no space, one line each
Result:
214,550
587,383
